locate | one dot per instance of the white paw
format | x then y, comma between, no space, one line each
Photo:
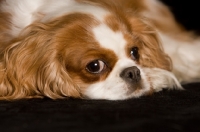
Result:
161,79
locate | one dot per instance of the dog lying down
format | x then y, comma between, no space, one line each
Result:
93,49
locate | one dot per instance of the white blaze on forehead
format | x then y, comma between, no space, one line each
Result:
109,39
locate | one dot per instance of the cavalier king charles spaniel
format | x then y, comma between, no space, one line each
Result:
93,49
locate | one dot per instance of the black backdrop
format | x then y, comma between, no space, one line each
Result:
164,111
186,12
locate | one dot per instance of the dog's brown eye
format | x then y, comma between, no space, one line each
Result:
134,53
96,66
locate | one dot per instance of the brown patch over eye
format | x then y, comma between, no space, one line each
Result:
79,52
91,65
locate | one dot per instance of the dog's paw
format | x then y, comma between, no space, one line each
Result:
161,79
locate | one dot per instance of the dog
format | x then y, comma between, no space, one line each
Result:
93,49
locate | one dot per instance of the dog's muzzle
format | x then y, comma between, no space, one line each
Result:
131,75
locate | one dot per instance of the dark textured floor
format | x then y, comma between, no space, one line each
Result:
164,111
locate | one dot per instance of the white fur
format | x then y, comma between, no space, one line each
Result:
185,57
24,12
111,40
162,79
153,11
52,10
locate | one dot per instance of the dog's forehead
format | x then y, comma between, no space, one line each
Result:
109,39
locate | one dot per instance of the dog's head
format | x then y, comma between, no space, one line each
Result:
93,53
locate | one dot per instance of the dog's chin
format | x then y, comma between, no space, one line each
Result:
119,92
153,80
116,89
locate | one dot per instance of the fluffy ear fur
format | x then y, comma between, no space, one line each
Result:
151,53
31,67
5,37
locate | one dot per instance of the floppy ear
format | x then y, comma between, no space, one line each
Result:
151,54
31,67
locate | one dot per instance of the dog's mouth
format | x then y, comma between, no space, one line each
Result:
134,88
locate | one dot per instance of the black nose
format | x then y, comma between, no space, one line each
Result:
131,75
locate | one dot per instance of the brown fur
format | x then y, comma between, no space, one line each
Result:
31,65
5,24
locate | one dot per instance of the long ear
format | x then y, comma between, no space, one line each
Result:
151,54
5,35
30,67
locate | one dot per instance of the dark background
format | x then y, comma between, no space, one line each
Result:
164,111
186,12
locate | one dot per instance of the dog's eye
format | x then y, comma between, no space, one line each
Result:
96,66
134,53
